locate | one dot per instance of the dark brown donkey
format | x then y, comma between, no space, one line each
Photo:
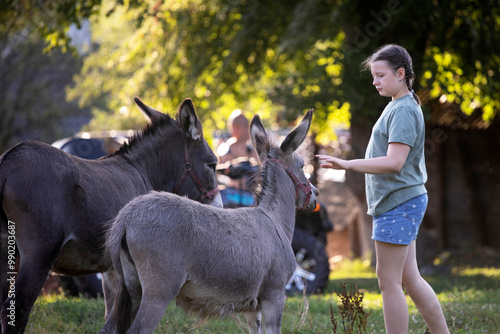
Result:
57,207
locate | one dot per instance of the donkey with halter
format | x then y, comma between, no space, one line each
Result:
59,206
214,261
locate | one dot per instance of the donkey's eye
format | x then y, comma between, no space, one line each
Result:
212,166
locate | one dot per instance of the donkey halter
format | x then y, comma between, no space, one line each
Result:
188,169
306,189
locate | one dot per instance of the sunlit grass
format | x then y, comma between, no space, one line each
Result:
353,269
57,314
470,298
468,271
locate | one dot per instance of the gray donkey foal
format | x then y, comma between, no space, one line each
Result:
214,261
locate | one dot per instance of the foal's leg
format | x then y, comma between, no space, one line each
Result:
161,282
272,310
254,320
132,287
109,286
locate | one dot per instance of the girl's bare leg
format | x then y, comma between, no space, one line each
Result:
422,294
390,263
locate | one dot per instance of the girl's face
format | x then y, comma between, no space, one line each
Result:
387,82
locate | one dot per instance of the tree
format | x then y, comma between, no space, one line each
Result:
32,92
32,79
281,57
49,20
296,54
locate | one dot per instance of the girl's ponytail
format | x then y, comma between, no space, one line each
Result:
415,96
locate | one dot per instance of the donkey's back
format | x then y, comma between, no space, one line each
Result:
58,199
35,174
220,261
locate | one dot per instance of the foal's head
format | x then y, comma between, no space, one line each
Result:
286,157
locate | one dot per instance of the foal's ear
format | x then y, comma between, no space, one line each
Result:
152,114
297,136
259,138
189,121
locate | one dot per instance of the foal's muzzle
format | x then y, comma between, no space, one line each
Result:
217,202
307,189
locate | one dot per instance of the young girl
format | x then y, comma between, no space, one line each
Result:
395,175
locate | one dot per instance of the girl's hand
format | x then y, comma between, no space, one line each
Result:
332,162
397,154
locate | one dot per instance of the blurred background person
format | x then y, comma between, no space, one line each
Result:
239,146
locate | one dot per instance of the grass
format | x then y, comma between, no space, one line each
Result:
470,298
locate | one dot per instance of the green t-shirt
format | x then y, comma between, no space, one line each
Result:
401,121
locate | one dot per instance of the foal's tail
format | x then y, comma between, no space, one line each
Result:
115,244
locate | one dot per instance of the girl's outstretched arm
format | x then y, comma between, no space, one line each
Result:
391,163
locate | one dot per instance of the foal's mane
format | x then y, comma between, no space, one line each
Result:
259,181
150,130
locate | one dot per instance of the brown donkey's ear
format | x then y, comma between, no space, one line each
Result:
152,114
189,121
297,135
259,138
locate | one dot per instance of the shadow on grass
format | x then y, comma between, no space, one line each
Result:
440,283
364,284
443,283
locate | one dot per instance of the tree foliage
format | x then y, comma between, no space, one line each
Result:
32,91
274,57
280,57
226,55
49,20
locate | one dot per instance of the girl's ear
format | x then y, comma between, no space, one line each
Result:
400,73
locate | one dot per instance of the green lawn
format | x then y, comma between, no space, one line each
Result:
470,300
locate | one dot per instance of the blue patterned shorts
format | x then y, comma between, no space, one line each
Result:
400,225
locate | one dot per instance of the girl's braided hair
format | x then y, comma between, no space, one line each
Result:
397,57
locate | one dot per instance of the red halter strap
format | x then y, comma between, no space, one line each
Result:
188,169
306,189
